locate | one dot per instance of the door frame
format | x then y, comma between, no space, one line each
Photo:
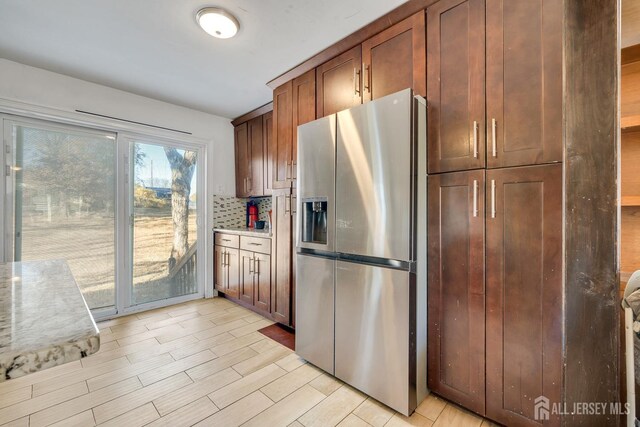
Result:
125,213
54,118
7,184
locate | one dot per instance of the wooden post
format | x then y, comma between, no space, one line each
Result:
591,142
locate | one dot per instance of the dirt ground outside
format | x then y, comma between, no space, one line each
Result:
87,243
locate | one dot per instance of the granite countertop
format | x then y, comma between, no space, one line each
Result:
266,233
44,320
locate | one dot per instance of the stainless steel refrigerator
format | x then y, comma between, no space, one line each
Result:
361,248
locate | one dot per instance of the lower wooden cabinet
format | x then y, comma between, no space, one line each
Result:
496,348
255,280
227,275
262,282
456,301
243,270
524,292
246,277
282,259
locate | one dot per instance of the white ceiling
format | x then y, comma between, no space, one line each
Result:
155,48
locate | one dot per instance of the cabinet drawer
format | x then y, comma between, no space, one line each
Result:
255,244
228,240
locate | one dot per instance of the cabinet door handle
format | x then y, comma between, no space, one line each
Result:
475,139
475,198
493,198
249,184
356,81
367,78
287,204
294,176
250,265
293,205
494,137
256,266
224,259
286,170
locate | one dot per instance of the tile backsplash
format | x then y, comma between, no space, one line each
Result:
231,212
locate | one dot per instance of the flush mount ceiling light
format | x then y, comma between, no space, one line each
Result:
218,22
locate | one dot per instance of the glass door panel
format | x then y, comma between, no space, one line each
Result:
60,202
164,227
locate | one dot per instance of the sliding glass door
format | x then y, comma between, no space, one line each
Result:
122,211
164,224
60,202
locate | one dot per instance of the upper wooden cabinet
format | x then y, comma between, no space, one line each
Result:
455,85
282,152
395,59
339,84
386,63
304,110
293,105
256,160
267,134
524,82
522,88
243,163
253,150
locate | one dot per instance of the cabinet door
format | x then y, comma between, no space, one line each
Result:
455,85
245,285
339,83
304,109
294,259
267,134
220,271
524,82
395,59
243,150
281,259
262,282
456,304
524,292
233,273
256,144
282,136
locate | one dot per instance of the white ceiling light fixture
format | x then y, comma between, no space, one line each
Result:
218,22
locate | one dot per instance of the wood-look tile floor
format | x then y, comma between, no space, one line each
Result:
200,363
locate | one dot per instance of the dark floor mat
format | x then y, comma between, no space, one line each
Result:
281,334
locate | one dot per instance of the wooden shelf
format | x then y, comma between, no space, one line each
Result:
630,201
630,123
630,54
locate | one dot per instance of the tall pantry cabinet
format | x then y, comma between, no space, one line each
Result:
294,103
494,87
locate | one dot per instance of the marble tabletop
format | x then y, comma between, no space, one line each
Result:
44,320
266,233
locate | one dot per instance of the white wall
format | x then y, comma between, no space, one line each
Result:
41,88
